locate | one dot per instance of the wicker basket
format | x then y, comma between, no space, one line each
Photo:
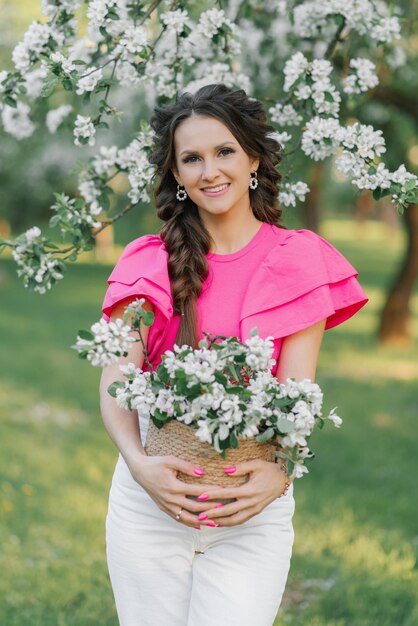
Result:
180,440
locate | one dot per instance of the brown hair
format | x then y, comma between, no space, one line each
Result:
185,237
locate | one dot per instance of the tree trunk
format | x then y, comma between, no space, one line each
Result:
313,198
394,328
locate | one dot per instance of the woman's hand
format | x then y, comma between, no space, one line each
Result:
266,483
157,475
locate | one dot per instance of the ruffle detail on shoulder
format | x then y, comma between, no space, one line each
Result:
303,280
141,271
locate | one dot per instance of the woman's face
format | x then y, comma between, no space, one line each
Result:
208,155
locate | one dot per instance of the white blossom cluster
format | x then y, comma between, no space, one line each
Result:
211,21
89,80
72,213
290,192
55,117
321,138
38,268
311,80
106,342
16,121
175,20
84,131
285,115
220,408
362,78
312,19
134,160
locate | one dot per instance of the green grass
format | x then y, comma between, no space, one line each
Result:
354,557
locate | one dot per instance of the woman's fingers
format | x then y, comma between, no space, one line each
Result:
233,520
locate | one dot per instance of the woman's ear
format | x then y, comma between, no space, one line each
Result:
255,165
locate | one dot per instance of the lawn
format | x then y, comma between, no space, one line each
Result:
354,557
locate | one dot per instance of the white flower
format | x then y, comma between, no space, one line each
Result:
55,117
290,192
34,42
297,65
16,121
104,162
203,433
32,233
320,138
211,21
401,176
134,39
175,20
66,64
84,129
362,78
285,115
260,352
110,340
89,81
363,139
299,470
386,30
335,419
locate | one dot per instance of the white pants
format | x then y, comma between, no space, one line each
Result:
166,574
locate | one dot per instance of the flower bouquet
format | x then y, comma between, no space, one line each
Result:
214,404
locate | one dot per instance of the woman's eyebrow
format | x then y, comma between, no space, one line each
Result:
215,148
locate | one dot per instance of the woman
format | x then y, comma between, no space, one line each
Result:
223,265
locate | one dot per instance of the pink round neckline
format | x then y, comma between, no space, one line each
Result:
213,256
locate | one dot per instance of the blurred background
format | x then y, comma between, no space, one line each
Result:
354,561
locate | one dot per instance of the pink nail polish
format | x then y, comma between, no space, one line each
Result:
198,471
203,496
212,524
202,516
230,470
218,505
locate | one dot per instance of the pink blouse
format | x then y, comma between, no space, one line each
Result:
282,281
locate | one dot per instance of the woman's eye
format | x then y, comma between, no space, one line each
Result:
186,160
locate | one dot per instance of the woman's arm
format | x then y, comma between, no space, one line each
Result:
156,474
122,426
299,353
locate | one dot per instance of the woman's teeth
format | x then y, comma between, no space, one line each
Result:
215,189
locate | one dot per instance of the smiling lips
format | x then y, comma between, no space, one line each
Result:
215,190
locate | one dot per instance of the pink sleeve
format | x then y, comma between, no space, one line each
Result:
303,280
140,271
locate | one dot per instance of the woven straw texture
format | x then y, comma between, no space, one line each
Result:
180,440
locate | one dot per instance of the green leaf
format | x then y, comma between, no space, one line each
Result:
67,84
266,435
49,85
148,318
10,101
118,384
284,425
85,334
55,219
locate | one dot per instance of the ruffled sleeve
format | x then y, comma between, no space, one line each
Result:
142,272
302,280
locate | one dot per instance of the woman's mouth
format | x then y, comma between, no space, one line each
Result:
219,190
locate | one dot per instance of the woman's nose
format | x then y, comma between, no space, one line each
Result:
209,171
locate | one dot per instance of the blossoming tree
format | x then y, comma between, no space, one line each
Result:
310,62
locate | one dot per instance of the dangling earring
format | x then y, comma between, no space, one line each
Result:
181,193
253,180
